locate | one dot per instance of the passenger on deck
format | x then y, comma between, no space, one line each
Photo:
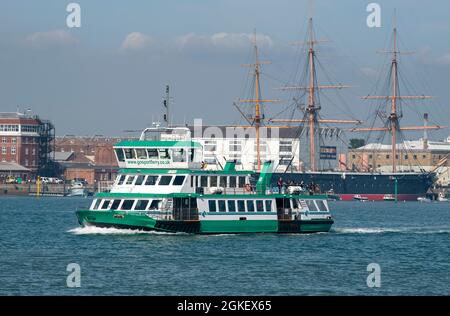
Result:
280,184
317,188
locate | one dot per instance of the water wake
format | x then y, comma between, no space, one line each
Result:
93,230
384,230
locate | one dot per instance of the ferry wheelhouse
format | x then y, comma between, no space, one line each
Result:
162,186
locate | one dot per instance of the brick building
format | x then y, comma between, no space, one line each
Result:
89,158
98,149
26,140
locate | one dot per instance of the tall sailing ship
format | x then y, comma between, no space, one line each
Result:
343,184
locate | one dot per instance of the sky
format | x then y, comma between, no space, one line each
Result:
109,75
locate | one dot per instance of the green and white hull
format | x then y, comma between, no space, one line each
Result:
143,221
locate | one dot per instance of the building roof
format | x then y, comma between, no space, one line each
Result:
409,145
62,155
15,115
18,115
12,166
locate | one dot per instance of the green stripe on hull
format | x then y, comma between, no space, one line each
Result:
116,218
235,226
315,227
136,220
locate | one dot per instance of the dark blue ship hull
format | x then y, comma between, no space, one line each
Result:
374,186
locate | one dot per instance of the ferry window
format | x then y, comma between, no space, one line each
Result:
178,180
241,205
165,180
155,204
250,206
95,204
191,156
223,182
139,180
151,180
130,180
121,180
294,204
115,205
129,153
321,206
259,206
141,153
280,204
179,155
105,204
120,155
231,206
192,181
127,205
164,153
141,205
152,153
232,182
194,204
287,203
311,205
268,205
241,182
203,181
212,205
222,207
213,181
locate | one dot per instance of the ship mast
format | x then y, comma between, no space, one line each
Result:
257,119
312,111
166,103
393,117
393,126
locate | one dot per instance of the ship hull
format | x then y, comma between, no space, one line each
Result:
140,221
373,186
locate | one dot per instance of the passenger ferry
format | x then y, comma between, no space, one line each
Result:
162,186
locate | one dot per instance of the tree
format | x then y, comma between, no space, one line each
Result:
356,143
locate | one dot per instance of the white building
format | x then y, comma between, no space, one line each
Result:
222,143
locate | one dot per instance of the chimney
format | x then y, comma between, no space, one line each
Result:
425,133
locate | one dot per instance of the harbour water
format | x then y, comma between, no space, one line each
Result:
410,241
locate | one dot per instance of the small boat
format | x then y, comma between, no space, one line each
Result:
423,199
388,197
78,189
331,196
358,197
442,198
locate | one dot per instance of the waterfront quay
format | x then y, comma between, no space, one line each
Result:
49,189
